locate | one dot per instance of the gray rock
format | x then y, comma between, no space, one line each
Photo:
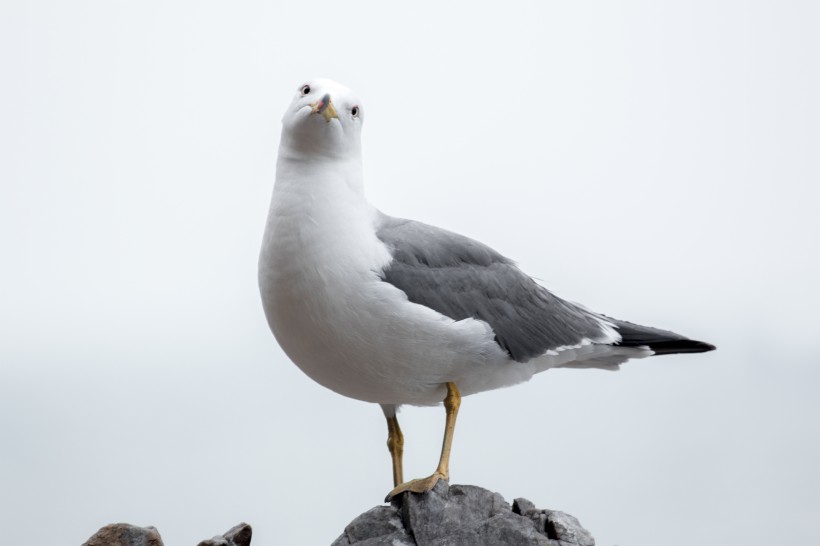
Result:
462,515
124,534
379,525
238,535
561,528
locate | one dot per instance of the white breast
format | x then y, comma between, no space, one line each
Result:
342,325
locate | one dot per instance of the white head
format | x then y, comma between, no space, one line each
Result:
324,119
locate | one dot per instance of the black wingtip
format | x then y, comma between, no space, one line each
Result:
662,342
707,346
681,346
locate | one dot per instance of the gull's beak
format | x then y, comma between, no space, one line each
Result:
325,107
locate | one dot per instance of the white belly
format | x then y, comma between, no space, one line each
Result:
358,335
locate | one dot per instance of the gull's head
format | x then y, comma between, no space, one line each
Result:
324,119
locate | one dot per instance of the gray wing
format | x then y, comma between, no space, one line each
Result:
462,278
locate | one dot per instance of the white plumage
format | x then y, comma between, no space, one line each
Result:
327,305
397,312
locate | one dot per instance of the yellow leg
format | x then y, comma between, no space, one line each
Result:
395,443
451,404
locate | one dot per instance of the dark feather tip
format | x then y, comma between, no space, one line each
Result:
681,346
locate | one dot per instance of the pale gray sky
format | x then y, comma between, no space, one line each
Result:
657,162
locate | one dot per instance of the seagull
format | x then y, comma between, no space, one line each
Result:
393,311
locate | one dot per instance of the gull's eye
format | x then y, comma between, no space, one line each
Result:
305,90
355,111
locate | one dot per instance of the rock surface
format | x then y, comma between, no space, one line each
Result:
462,515
123,534
238,535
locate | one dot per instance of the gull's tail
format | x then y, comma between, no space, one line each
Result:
661,342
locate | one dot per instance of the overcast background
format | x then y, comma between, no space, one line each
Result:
655,161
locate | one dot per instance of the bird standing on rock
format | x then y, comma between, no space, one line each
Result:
394,311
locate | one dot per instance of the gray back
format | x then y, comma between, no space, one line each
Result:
463,278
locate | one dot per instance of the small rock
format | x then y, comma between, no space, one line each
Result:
238,535
124,534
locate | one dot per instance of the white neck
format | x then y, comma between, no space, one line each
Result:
297,146
318,200
314,175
